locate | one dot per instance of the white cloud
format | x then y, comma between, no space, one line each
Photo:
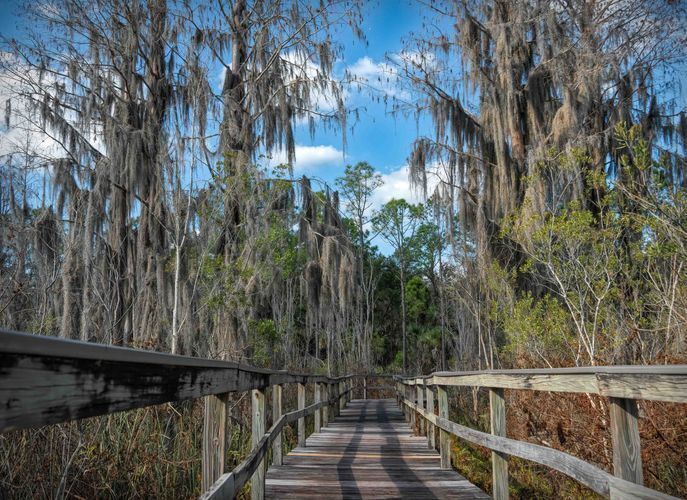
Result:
397,185
310,158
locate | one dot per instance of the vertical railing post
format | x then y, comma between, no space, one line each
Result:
301,421
429,396
627,451
214,437
444,438
326,394
318,413
342,399
276,415
364,387
420,391
258,427
413,414
499,461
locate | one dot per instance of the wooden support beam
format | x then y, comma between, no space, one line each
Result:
444,438
627,451
420,390
214,438
318,413
429,396
258,423
301,421
277,412
499,461
326,394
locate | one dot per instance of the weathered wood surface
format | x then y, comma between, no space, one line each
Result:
230,483
46,380
214,438
654,382
591,476
366,452
499,461
627,449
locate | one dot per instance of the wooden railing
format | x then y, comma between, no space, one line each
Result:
45,380
623,385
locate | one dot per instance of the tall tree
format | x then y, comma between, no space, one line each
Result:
357,186
396,222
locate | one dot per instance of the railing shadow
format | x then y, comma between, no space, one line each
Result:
398,467
391,456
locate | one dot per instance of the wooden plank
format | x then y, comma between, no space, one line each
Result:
444,438
649,386
258,431
591,476
301,421
45,380
431,441
654,382
499,461
420,402
627,452
366,452
318,413
277,412
326,394
214,438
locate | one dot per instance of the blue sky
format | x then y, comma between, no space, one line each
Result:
377,137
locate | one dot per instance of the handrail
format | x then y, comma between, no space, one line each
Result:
653,382
230,483
622,384
47,380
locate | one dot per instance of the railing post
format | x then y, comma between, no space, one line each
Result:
301,421
342,398
258,480
318,413
214,437
429,396
499,461
444,438
276,415
413,413
627,451
325,409
420,391
364,387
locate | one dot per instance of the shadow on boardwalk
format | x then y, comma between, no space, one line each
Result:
366,452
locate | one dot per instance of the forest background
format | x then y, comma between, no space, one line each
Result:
347,187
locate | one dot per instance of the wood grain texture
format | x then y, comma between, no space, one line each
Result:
367,452
277,412
318,413
444,438
301,421
654,382
214,439
591,476
257,489
627,448
431,441
230,484
45,380
499,460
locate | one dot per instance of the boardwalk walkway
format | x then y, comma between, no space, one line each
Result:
367,452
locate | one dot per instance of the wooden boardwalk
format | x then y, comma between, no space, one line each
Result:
366,452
